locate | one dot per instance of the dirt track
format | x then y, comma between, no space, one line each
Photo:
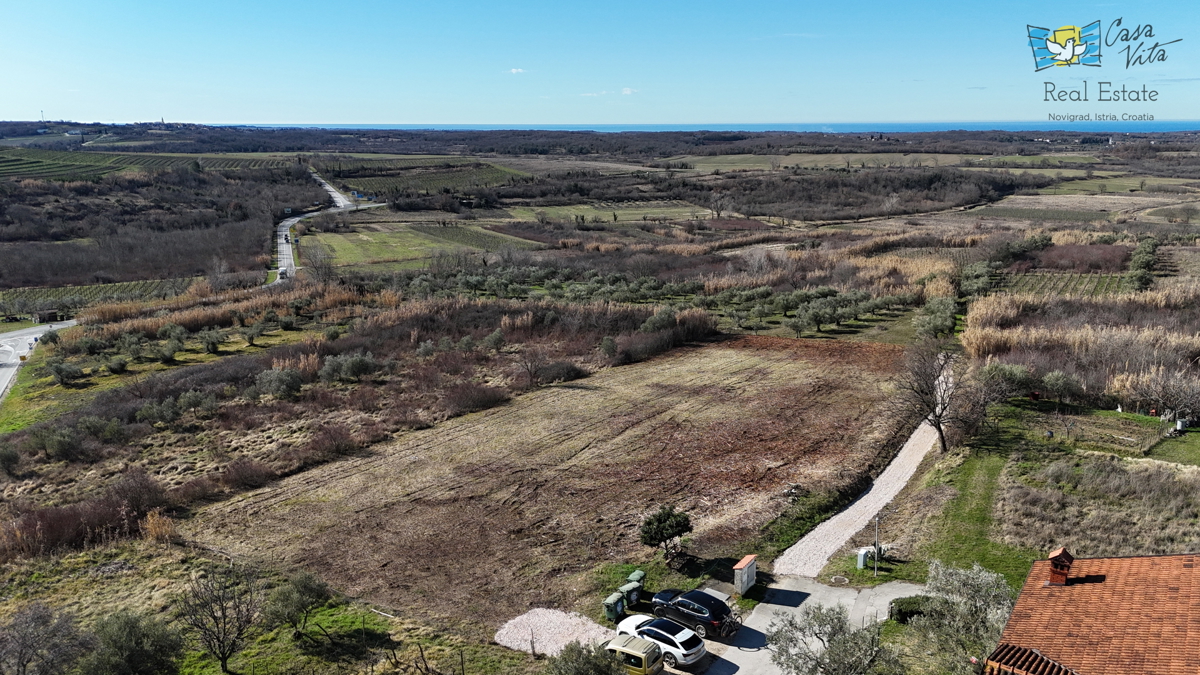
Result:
485,516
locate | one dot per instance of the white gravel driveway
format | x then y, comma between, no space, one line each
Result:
808,556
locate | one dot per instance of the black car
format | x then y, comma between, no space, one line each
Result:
703,613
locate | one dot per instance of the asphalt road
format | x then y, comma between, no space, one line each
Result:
14,345
286,257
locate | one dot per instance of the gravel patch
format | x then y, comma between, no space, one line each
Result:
547,631
809,556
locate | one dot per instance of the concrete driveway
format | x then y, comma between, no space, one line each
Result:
747,654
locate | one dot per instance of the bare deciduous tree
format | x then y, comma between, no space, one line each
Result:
221,608
319,261
925,388
532,360
38,641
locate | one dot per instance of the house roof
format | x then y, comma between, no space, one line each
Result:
1026,661
1113,616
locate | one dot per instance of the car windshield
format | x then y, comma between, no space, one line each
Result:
691,643
668,627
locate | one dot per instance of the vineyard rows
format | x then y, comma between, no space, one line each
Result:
18,300
435,180
1043,283
26,163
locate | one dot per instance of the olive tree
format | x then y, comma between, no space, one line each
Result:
823,641
964,618
576,659
664,528
133,644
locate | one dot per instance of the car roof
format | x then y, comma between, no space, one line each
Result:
635,621
706,601
632,644
667,626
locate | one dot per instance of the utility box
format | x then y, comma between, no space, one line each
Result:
863,556
614,607
631,592
745,573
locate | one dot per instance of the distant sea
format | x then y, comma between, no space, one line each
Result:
848,128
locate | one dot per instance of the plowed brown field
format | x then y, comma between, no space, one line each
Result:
487,515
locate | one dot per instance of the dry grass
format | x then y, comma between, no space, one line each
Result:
1102,506
501,510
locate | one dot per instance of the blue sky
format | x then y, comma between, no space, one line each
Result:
535,62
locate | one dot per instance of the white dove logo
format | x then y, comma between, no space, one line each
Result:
1065,52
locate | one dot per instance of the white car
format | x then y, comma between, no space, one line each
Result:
680,645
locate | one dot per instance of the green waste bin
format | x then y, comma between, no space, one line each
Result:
614,607
637,577
631,592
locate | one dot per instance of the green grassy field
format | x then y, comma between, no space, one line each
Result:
473,237
1111,184
1049,283
1053,172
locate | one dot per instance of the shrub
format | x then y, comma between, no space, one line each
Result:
495,340
159,412
10,458
212,339
172,331
107,431
245,473
253,332
560,371
133,644
193,491
469,397
166,351
158,527
904,609
283,383
663,320
608,346
50,337
117,365
288,322
332,333
576,659
426,349
664,528
64,373
332,441
198,403
131,344
58,444
294,601
348,367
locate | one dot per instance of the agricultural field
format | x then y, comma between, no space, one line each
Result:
1066,215
503,510
52,164
1126,183
79,296
1047,283
1038,160
626,212
819,161
375,241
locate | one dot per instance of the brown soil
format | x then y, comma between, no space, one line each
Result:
485,516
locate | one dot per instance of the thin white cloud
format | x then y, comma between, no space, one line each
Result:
516,71
627,91
598,93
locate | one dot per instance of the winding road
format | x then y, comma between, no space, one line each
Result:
18,343
283,240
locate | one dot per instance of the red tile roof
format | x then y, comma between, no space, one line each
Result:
1114,616
1013,660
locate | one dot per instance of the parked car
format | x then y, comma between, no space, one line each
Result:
640,657
680,646
703,613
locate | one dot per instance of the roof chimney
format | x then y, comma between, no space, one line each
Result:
1060,566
